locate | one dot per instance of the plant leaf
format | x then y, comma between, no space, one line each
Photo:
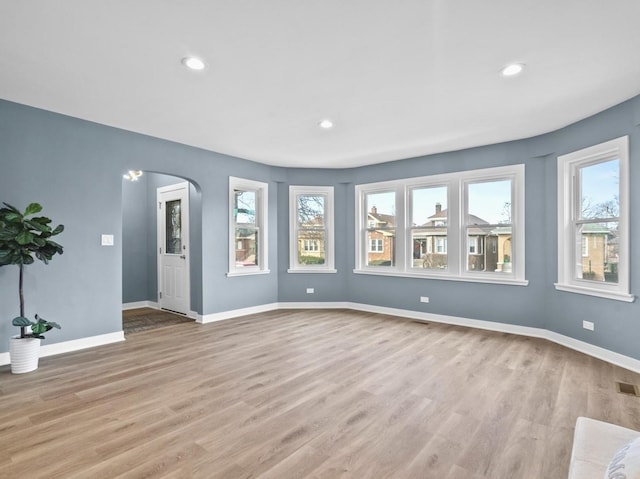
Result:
43,220
32,209
24,237
21,321
36,225
11,217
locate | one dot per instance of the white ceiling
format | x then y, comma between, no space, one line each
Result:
398,78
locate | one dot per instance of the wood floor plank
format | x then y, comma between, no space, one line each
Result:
323,394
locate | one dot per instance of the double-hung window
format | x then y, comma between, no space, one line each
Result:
466,226
593,221
247,227
311,229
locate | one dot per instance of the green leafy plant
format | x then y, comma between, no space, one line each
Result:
23,239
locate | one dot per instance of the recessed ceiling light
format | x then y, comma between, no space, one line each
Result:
513,69
326,124
133,175
193,63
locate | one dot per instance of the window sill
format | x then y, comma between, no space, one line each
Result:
570,288
232,274
313,270
448,277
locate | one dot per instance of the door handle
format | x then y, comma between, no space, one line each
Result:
183,256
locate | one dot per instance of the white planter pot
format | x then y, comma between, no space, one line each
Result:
24,354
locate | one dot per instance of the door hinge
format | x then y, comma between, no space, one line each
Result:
160,249
159,205
160,295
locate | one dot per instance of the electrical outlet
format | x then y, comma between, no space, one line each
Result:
588,325
310,291
106,240
424,299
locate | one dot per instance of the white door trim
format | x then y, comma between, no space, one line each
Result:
186,237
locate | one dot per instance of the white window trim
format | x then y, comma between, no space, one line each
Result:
478,246
378,241
262,197
456,241
567,197
585,247
329,249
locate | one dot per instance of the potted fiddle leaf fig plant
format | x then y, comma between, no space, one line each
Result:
25,238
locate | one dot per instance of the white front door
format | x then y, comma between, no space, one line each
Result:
173,248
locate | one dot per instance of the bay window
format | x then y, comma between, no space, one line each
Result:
466,226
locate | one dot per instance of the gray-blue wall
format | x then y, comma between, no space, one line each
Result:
537,305
135,241
75,169
139,239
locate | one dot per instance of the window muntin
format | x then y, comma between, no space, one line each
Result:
247,227
593,242
450,230
311,229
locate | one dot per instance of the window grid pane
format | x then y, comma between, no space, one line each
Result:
247,243
598,254
244,208
381,232
381,247
489,231
597,225
429,227
311,246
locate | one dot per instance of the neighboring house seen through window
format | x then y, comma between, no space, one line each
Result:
429,238
381,228
465,226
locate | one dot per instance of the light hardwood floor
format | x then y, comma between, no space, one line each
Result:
307,394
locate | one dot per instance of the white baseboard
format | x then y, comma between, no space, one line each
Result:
140,304
211,318
73,345
589,349
316,305
595,351
612,357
